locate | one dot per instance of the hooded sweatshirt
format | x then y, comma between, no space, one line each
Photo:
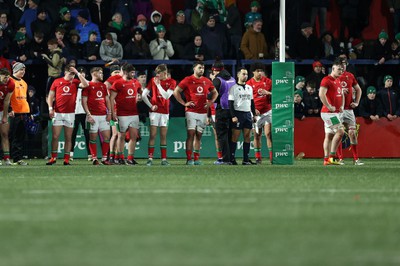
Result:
115,50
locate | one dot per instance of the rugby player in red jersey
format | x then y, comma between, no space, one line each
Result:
195,88
262,87
96,103
7,86
61,101
124,93
331,95
161,88
352,95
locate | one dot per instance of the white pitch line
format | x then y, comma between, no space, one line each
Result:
203,191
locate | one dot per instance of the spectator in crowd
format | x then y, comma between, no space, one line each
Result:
137,47
382,48
299,83
54,62
5,25
29,16
196,51
275,50
389,98
217,9
117,26
370,107
317,74
147,33
76,7
348,19
394,50
234,26
214,37
16,11
199,16
37,47
91,48
65,20
111,50
100,12
319,8
59,35
19,112
85,26
74,47
34,103
42,23
190,5
253,15
155,20
357,51
19,49
306,45
329,46
4,43
299,106
161,48
394,9
180,34
311,99
126,8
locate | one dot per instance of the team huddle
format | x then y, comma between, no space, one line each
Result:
111,111
233,105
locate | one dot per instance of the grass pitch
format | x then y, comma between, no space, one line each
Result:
305,214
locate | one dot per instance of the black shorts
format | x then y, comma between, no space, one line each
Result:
244,120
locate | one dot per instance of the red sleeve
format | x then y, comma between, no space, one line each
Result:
173,84
183,84
10,86
114,87
53,85
324,83
85,92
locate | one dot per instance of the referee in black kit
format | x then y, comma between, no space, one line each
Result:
241,106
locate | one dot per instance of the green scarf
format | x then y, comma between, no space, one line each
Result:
116,25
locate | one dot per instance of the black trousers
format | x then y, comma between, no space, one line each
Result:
224,132
80,119
17,136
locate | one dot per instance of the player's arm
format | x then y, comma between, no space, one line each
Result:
113,94
164,94
108,105
50,101
145,93
358,96
84,82
108,84
324,100
85,106
6,106
178,97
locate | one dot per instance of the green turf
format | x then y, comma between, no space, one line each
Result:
305,214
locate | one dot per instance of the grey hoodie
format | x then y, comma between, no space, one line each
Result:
115,50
